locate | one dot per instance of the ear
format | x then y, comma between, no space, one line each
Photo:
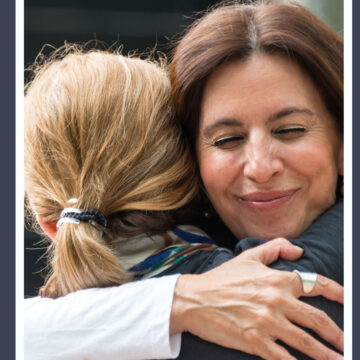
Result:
49,227
340,159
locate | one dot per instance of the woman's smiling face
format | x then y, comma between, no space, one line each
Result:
269,151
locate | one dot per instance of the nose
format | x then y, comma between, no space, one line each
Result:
262,161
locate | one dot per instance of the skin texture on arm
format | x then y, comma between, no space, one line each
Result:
323,253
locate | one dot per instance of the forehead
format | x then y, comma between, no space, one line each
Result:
259,83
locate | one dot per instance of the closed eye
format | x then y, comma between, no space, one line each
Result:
228,142
290,132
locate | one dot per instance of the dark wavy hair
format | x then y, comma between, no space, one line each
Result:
236,30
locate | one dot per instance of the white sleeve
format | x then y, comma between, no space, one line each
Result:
123,322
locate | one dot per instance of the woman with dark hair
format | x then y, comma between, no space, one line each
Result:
259,91
267,137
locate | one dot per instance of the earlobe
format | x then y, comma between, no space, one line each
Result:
49,227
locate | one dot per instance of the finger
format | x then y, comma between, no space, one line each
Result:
259,344
317,320
269,252
273,351
304,342
327,288
324,286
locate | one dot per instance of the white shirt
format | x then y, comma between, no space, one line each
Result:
122,322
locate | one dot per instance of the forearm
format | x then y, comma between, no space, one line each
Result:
126,322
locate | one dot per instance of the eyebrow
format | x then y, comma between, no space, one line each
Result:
289,111
225,122
232,122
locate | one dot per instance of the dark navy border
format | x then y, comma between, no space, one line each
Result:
356,180
7,178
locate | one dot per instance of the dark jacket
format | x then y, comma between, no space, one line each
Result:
323,253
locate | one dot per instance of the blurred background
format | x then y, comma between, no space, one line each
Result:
138,25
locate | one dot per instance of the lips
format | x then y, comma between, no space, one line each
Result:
269,200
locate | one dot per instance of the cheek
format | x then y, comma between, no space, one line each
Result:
315,163
217,170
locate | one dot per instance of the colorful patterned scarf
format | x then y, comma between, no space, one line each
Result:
147,256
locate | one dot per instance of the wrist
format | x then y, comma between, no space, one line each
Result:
181,303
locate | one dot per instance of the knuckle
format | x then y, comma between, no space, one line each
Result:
252,335
339,338
305,340
322,282
266,318
321,318
278,301
272,299
271,353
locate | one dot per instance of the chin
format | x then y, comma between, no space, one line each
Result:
273,233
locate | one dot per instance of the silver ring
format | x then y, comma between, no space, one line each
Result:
308,280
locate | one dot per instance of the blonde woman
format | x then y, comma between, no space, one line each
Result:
101,143
105,163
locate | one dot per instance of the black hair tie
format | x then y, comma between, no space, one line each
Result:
75,216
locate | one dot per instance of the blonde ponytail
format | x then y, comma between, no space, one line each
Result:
81,260
100,127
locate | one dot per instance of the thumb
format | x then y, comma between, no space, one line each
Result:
272,250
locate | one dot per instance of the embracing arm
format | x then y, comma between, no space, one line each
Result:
125,322
322,244
323,254
132,321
